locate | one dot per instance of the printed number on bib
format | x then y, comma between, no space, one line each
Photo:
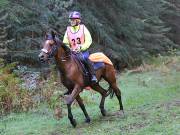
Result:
78,40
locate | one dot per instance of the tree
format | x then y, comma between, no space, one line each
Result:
171,17
125,30
29,20
3,33
128,30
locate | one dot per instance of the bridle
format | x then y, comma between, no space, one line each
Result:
54,49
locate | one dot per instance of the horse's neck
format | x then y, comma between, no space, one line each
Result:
62,59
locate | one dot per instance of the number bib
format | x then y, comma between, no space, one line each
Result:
76,38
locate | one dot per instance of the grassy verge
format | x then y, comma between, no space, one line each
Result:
151,102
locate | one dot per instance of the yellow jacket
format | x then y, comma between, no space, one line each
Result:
87,35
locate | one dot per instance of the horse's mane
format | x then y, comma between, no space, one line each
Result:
66,48
59,42
54,36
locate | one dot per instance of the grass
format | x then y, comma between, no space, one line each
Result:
151,102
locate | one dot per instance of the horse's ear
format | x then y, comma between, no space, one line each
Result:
50,35
53,33
45,35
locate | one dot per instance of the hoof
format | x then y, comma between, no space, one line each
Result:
121,112
103,112
88,120
73,122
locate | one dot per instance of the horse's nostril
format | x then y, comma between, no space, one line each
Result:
41,60
42,56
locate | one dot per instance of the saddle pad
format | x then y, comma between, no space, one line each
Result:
98,65
100,57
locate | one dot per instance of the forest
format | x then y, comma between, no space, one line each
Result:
128,32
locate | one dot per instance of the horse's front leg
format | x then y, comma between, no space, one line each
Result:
70,116
69,99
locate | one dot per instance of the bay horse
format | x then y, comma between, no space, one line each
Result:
72,76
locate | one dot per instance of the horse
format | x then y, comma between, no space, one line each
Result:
73,79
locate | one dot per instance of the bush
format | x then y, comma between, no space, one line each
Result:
16,98
12,96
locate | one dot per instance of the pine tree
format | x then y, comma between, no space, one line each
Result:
29,19
3,33
171,17
128,30
125,30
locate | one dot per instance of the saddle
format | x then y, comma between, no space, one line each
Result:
98,59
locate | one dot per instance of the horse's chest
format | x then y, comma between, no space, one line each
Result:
67,82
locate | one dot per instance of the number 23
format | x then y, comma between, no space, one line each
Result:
78,41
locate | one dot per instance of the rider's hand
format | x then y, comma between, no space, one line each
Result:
78,49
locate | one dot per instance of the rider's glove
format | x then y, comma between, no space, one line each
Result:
78,49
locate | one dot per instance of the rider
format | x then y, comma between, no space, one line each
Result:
78,38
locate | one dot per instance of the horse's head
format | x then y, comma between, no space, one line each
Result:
50,47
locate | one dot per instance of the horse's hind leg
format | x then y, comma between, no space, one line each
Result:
103,93
80,102
111,79
118,94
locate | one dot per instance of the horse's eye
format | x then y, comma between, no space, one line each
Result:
51,42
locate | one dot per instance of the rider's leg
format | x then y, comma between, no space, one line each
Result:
91,70
89,66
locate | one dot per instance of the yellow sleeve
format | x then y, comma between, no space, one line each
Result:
88,40
65,39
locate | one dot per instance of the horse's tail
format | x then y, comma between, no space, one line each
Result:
110,92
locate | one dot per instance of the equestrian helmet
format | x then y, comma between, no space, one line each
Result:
75,15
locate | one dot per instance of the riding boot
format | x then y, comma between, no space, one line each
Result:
91,71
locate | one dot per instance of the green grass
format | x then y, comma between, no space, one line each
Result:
151,102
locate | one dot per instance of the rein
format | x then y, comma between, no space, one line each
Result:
64,58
